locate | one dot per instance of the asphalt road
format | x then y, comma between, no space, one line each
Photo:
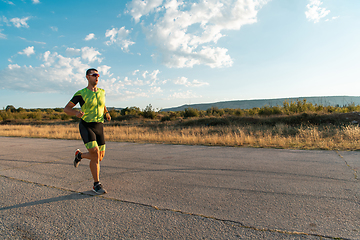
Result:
177,192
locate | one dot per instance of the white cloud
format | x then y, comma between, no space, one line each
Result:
73,52
20,22
35,1
55,29
104,69
63,74
333,18
138,8
8,2
153,75
130,82
315,12
2,36
155,90
187,94
90,36
13,66
185,33
135,72
28,51
6,21
56,74
66,74
32,41
144,74
119,36
184,81
90,54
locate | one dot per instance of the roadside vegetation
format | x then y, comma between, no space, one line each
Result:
294,125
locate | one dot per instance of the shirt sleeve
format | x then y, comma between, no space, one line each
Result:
77,98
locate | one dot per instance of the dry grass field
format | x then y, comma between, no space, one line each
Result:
279,135
295,125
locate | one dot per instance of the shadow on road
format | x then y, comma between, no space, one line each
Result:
73,196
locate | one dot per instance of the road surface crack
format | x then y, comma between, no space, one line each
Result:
354,170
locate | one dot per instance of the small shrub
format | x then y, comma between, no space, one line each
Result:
65,117
130,111
35,115
165,118
191,112
10,108
149,112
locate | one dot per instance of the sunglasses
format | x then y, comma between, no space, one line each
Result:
95,75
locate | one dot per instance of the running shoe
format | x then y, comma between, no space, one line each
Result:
99,189
77,158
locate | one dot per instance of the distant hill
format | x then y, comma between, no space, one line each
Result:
248,104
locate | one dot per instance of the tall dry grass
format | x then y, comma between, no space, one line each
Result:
278,136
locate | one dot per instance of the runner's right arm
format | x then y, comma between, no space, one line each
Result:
72,112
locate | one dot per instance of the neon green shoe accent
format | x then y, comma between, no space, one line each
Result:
91,144
102,148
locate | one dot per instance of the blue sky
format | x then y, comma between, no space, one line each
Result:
170,52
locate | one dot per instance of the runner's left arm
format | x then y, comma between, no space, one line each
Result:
107,114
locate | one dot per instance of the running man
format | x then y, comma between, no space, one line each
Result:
92,113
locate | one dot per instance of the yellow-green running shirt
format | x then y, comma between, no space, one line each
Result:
92,104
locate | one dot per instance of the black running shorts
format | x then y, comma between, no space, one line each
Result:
92,134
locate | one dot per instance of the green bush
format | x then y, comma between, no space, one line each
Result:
165,118
35,115
10,108
6,115
114,114
215,111
130,111
149,112
65,117
191,112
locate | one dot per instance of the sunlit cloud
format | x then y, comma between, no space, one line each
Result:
90,36
185,33
333,18
139,8
135,72
13,66
104,69
90,54
184,81
8,2
32,41
144,74
2,36
183,95
28,51
315,12
35,1
59,73
120,37
73,52
20,22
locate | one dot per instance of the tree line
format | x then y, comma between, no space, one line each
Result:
288,108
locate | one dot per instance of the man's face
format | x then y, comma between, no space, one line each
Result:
93,78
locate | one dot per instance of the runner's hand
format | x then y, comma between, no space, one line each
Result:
108,117
79,114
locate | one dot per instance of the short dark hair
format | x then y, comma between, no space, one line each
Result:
90,70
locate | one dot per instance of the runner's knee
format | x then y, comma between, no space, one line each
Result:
95,153
102,154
